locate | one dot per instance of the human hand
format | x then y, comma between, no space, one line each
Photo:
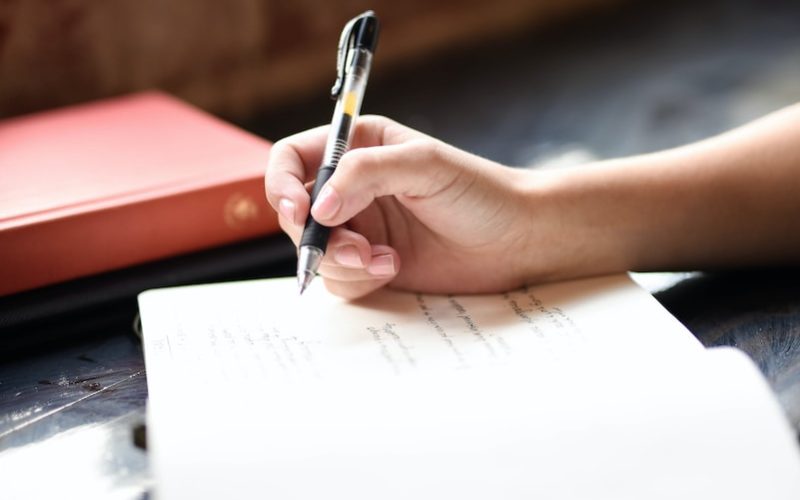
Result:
417,214
408,210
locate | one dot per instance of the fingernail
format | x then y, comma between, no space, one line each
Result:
347,255
381,265
286,208
327,204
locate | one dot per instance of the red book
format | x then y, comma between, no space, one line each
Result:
102,186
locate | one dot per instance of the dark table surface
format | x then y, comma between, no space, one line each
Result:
638,79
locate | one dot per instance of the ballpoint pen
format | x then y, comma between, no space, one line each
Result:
356,46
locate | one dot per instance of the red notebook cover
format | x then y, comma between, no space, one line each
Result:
109,184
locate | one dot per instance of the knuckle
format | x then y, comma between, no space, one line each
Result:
433,151
274,187
275,154
272,177
371,120
357,161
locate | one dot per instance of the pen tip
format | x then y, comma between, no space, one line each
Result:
303,280
308,261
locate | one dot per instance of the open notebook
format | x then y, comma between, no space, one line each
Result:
582,389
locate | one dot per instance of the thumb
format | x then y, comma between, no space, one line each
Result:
419,169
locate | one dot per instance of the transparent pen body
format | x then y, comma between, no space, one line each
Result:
314,241
348,106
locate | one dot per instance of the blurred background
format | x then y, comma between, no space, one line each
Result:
520,81
525,82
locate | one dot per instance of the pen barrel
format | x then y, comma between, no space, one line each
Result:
315,234
348,106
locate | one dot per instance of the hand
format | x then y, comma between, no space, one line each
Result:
417,214
408,210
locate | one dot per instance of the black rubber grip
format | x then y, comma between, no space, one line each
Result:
315,234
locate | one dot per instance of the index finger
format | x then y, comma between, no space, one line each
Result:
293,161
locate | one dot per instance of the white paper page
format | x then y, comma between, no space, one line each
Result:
263,330
554,390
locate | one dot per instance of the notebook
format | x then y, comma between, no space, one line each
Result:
581,389
106,185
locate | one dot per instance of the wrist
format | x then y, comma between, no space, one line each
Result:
581,221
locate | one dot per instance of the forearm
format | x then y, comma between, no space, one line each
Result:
733,200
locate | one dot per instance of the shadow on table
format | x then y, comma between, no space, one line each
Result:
757,311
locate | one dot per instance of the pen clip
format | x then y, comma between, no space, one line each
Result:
346,42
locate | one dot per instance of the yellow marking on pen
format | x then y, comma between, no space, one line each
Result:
350,101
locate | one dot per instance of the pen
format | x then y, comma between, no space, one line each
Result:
356,46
